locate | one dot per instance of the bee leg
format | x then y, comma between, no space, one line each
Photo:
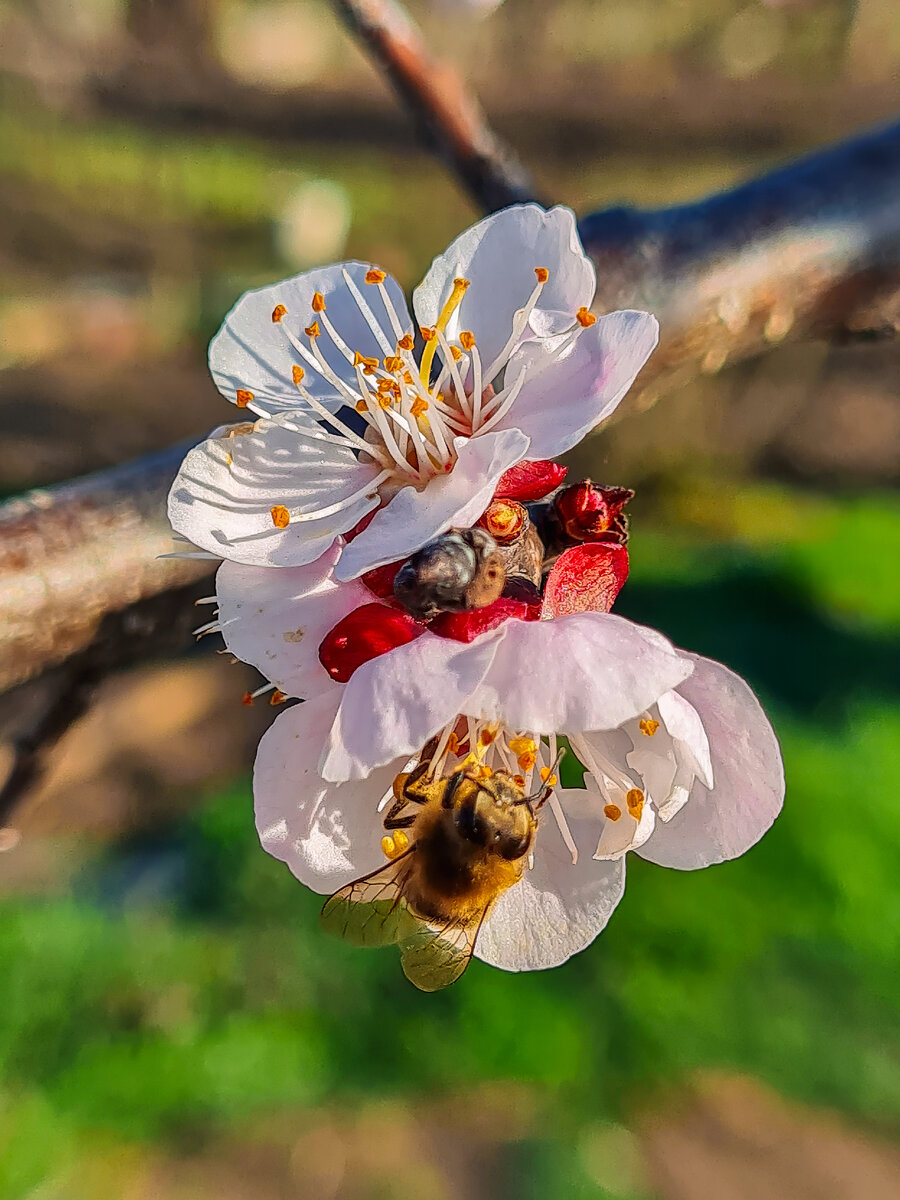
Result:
399,822
412,779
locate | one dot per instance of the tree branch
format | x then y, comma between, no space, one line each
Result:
810,250
447,115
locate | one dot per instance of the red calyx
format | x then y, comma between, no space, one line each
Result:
585,579
368,631
360,525
380,580
466,626
587,511
530,480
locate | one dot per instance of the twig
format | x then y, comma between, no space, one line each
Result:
813,250
448,116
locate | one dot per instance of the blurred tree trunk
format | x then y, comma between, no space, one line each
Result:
179,31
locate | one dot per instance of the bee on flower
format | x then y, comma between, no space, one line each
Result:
368,422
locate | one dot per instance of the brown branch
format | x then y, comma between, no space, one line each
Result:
448,116
809,251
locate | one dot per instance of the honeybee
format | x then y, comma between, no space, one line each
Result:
468,842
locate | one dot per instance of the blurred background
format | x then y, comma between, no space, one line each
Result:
172,1022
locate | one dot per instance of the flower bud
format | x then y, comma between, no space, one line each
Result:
365,633
587,511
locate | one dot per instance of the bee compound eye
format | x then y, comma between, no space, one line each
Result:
470,825
513,847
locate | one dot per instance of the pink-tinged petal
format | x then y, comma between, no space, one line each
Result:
498,256
456,499
328,835
569,391
253,353
586,671
530,480
276,619
367,632
585,579
226,488
683,723
556,910
723,822
395,703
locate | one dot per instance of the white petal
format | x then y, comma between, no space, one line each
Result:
498,256
585,671
683,723
276,619
624,834
395,703
457,499
252,351
722,823
567,393
226,488
328,835
555,911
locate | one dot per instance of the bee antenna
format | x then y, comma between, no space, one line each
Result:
544,791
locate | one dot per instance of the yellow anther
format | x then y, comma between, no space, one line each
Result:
612,811
242,397
648,726
393,363
401,841
467,339
358,359
549,779
278,312
406,342
526,760
370,366
484,772
522,745
318,302
297,374
375,276
456,352
542,273
585,317
407,377
281,518
387,847
313,330
418,406
453,303
635,802
385,400
427,332
277,697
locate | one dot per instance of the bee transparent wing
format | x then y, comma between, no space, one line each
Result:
435,955
372,911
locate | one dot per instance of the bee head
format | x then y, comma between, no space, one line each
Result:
486,811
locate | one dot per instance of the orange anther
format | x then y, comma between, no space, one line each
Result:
278,312
456,352
542,273
247,699
406,342
527,760
318,302
487,736
297,373
462,284
281,518
242,397
648,726
393,363
373,275
613,812
520,780
548,778
418,406
584,317
361,406
313,330
277,697
427,332
467,339
635,801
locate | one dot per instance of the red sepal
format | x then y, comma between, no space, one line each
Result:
530,480
365,633
586,511
585,579
380,580
466,626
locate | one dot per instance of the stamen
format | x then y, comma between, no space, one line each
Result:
477,387
362,305
318,302
297,374
467,339
368,490
585,317
406,342
635,801
313,330
542,273
281,518
450,361
520,320
374,275
209,627
454,300
557,810
506,398
612,811
277,697
278,313
242,397
648,726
